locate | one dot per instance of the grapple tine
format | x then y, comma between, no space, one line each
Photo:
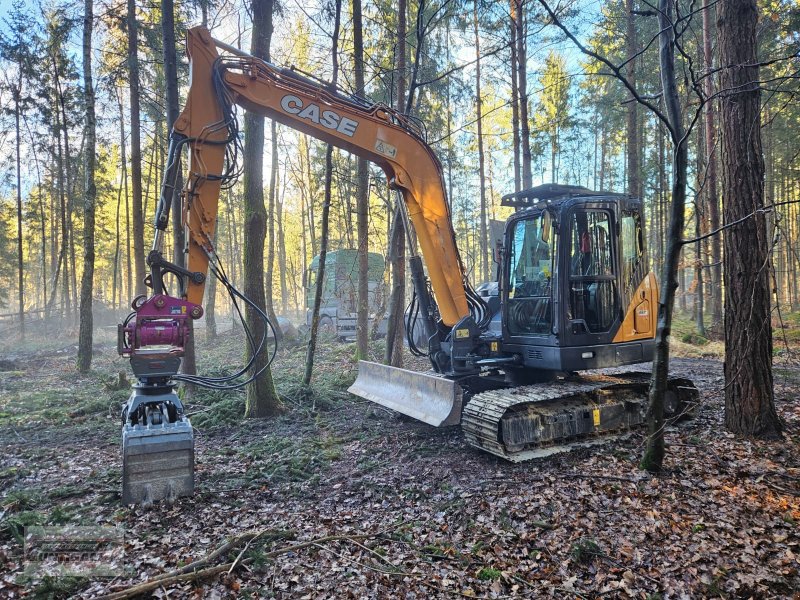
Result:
428,398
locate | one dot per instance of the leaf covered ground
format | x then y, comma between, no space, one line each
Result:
379,506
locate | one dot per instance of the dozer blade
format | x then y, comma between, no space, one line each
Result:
157,462
427,398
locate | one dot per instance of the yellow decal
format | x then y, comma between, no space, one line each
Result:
495,346
596,417
638,323
462,333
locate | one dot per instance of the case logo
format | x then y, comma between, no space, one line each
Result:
329,119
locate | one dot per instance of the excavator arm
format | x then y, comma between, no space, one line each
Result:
372,131
158,443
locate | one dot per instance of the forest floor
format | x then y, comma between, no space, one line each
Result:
379,506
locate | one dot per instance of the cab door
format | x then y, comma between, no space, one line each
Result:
592,305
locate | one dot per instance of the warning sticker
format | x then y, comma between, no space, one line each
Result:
385,149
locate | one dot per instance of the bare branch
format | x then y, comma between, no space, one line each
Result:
764,209
614,68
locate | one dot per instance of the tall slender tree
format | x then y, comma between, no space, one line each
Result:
270,267
90,197
711,177
189,363
261,398
326,207
15,48
633,169
136,148
397,240
514,93
484,226
362,200
522,88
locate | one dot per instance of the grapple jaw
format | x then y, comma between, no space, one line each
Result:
431,399
157,448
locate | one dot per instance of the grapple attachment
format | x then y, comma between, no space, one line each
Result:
157,449
428,398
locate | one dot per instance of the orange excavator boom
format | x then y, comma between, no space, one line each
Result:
372,131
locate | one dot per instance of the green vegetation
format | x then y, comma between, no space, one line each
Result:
55,588
489,574
585,550
284,458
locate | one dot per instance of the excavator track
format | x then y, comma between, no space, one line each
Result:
538,420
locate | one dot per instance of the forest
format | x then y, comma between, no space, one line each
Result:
431,298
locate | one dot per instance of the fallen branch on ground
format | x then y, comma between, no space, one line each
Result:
191,573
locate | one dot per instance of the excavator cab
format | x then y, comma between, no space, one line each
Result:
574,262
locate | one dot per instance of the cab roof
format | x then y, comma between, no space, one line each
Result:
553,193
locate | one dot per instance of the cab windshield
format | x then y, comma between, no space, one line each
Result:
530,274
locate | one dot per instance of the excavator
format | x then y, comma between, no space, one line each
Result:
573,292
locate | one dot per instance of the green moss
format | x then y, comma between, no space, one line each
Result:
489,574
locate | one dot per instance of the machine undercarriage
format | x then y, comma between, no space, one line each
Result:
524,422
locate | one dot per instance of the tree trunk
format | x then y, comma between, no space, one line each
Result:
42,218
362,201
20,258
282,259
326,209
312,227
699,220
397,240
71,289
116,285
632,111
136,150
653,457
189,362
712,196
270,270
53,247
171,85
128,251
394,331
90,195
514,93
749,403
261,399
233,245
522,77
484,227
211,299
62,254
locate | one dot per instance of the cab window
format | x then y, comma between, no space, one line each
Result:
592,285
530,276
